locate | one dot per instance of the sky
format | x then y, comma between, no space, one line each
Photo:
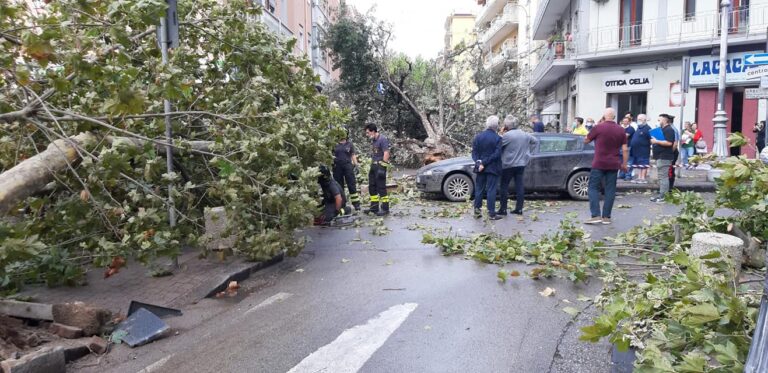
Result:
418,25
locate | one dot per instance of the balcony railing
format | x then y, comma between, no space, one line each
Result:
490,10
557,51
508,17
273,24
507,53
747,22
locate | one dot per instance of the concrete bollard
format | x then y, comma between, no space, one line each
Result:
216,223
730,247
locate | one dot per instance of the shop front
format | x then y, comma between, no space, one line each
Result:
742,112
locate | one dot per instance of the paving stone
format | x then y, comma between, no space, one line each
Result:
98,345
66,331
48,360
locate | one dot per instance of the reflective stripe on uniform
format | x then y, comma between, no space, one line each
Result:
385,199
354,197
375,198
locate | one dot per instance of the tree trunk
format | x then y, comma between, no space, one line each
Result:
32,175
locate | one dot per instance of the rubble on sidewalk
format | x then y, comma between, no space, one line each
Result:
140,328
92,320
47,359
66,331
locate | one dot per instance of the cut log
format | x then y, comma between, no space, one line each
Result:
26,310
33,174
754,254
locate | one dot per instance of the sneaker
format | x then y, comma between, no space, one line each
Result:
502,213
494,217
595,220
478,213
606,221
517,212
657,200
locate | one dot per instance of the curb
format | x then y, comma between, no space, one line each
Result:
701,188
220,284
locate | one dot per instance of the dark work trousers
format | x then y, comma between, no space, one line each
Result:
507,175
344,174
485,185
671,173
329,211
377,187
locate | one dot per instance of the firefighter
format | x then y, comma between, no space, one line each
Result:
377,177
344,164
334,201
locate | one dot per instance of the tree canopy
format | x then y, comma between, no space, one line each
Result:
249,130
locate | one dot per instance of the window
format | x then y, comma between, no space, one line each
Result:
271,6
690,9
555,144
301,37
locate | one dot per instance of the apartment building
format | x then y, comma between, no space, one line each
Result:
504,31
460,30
628,54
307,21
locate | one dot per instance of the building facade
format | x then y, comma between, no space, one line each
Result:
307,21
629,54
460,31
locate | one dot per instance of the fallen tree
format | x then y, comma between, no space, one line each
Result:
86,78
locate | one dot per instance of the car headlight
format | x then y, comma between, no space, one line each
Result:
433,171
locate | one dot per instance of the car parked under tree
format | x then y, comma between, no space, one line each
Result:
560,163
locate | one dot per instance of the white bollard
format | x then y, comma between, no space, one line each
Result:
730,247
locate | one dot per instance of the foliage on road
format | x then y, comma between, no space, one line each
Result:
77,66
567,252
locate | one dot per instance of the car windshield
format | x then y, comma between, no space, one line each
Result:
556,144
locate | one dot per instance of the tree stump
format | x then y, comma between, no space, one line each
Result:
730,247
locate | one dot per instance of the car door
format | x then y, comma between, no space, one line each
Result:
555,158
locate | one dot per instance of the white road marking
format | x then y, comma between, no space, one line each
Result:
156,365
349,352
279,297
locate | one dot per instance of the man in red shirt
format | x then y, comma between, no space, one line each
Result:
609,138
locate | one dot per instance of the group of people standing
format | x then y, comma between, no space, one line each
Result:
501,154
344,174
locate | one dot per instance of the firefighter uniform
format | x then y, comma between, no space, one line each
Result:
330,189
377,177
344,170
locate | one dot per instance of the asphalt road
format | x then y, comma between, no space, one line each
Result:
355,301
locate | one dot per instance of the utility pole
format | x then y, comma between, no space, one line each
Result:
765,130
168,35
721,117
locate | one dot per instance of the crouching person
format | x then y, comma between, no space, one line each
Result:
334,201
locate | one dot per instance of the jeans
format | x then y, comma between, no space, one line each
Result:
596,178
507,175
626,175
687,153
662,169
486,183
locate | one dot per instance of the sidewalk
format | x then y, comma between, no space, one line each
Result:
690,180
194,280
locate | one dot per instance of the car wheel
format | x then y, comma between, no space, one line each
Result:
458,187
578,186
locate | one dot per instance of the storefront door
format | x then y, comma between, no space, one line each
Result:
742,115
634,103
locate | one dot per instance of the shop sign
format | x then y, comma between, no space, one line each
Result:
627,83
705,70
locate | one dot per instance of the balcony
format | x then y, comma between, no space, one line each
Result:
501,27
508,52
673,34
491,10
550,11
556,63
275,26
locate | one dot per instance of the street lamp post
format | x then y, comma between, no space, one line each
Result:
720,147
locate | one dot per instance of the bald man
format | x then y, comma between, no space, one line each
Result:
610,138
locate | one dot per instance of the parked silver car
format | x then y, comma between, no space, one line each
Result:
560,163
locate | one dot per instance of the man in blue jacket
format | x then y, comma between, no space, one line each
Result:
486,152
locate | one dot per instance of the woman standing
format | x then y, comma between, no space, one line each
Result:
700,146
687,143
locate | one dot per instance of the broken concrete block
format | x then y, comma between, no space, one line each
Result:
98,345
48,360
216,225
66,331
26,310
730,247
75,351
92,320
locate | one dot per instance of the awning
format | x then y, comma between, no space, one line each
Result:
552,109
